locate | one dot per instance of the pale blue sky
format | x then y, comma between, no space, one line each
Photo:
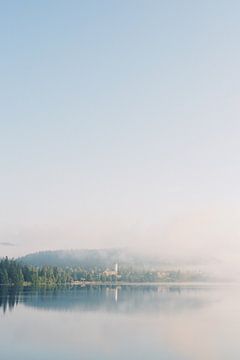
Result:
119,124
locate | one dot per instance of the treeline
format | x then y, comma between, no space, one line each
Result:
10,272
13,272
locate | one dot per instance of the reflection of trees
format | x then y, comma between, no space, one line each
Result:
124,299
9,297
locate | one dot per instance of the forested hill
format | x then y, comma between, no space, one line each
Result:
88,259
101,259
66,267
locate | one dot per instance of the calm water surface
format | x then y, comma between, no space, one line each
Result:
129,322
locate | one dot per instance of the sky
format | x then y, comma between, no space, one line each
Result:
119,126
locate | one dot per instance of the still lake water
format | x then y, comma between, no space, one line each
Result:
165,322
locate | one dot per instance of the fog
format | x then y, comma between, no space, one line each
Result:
207,240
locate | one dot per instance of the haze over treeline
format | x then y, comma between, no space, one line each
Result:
107,258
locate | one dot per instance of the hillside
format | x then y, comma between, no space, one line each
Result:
89,259
101,259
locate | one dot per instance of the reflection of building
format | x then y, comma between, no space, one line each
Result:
116,293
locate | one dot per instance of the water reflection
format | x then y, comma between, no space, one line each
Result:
9,297
121,299
167,322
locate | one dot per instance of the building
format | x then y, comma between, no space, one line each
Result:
112,272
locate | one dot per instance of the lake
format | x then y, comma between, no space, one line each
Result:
153,322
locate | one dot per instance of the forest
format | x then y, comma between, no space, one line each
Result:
13,272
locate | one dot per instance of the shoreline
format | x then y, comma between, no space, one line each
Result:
123,283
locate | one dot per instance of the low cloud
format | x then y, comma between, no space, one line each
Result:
6,243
